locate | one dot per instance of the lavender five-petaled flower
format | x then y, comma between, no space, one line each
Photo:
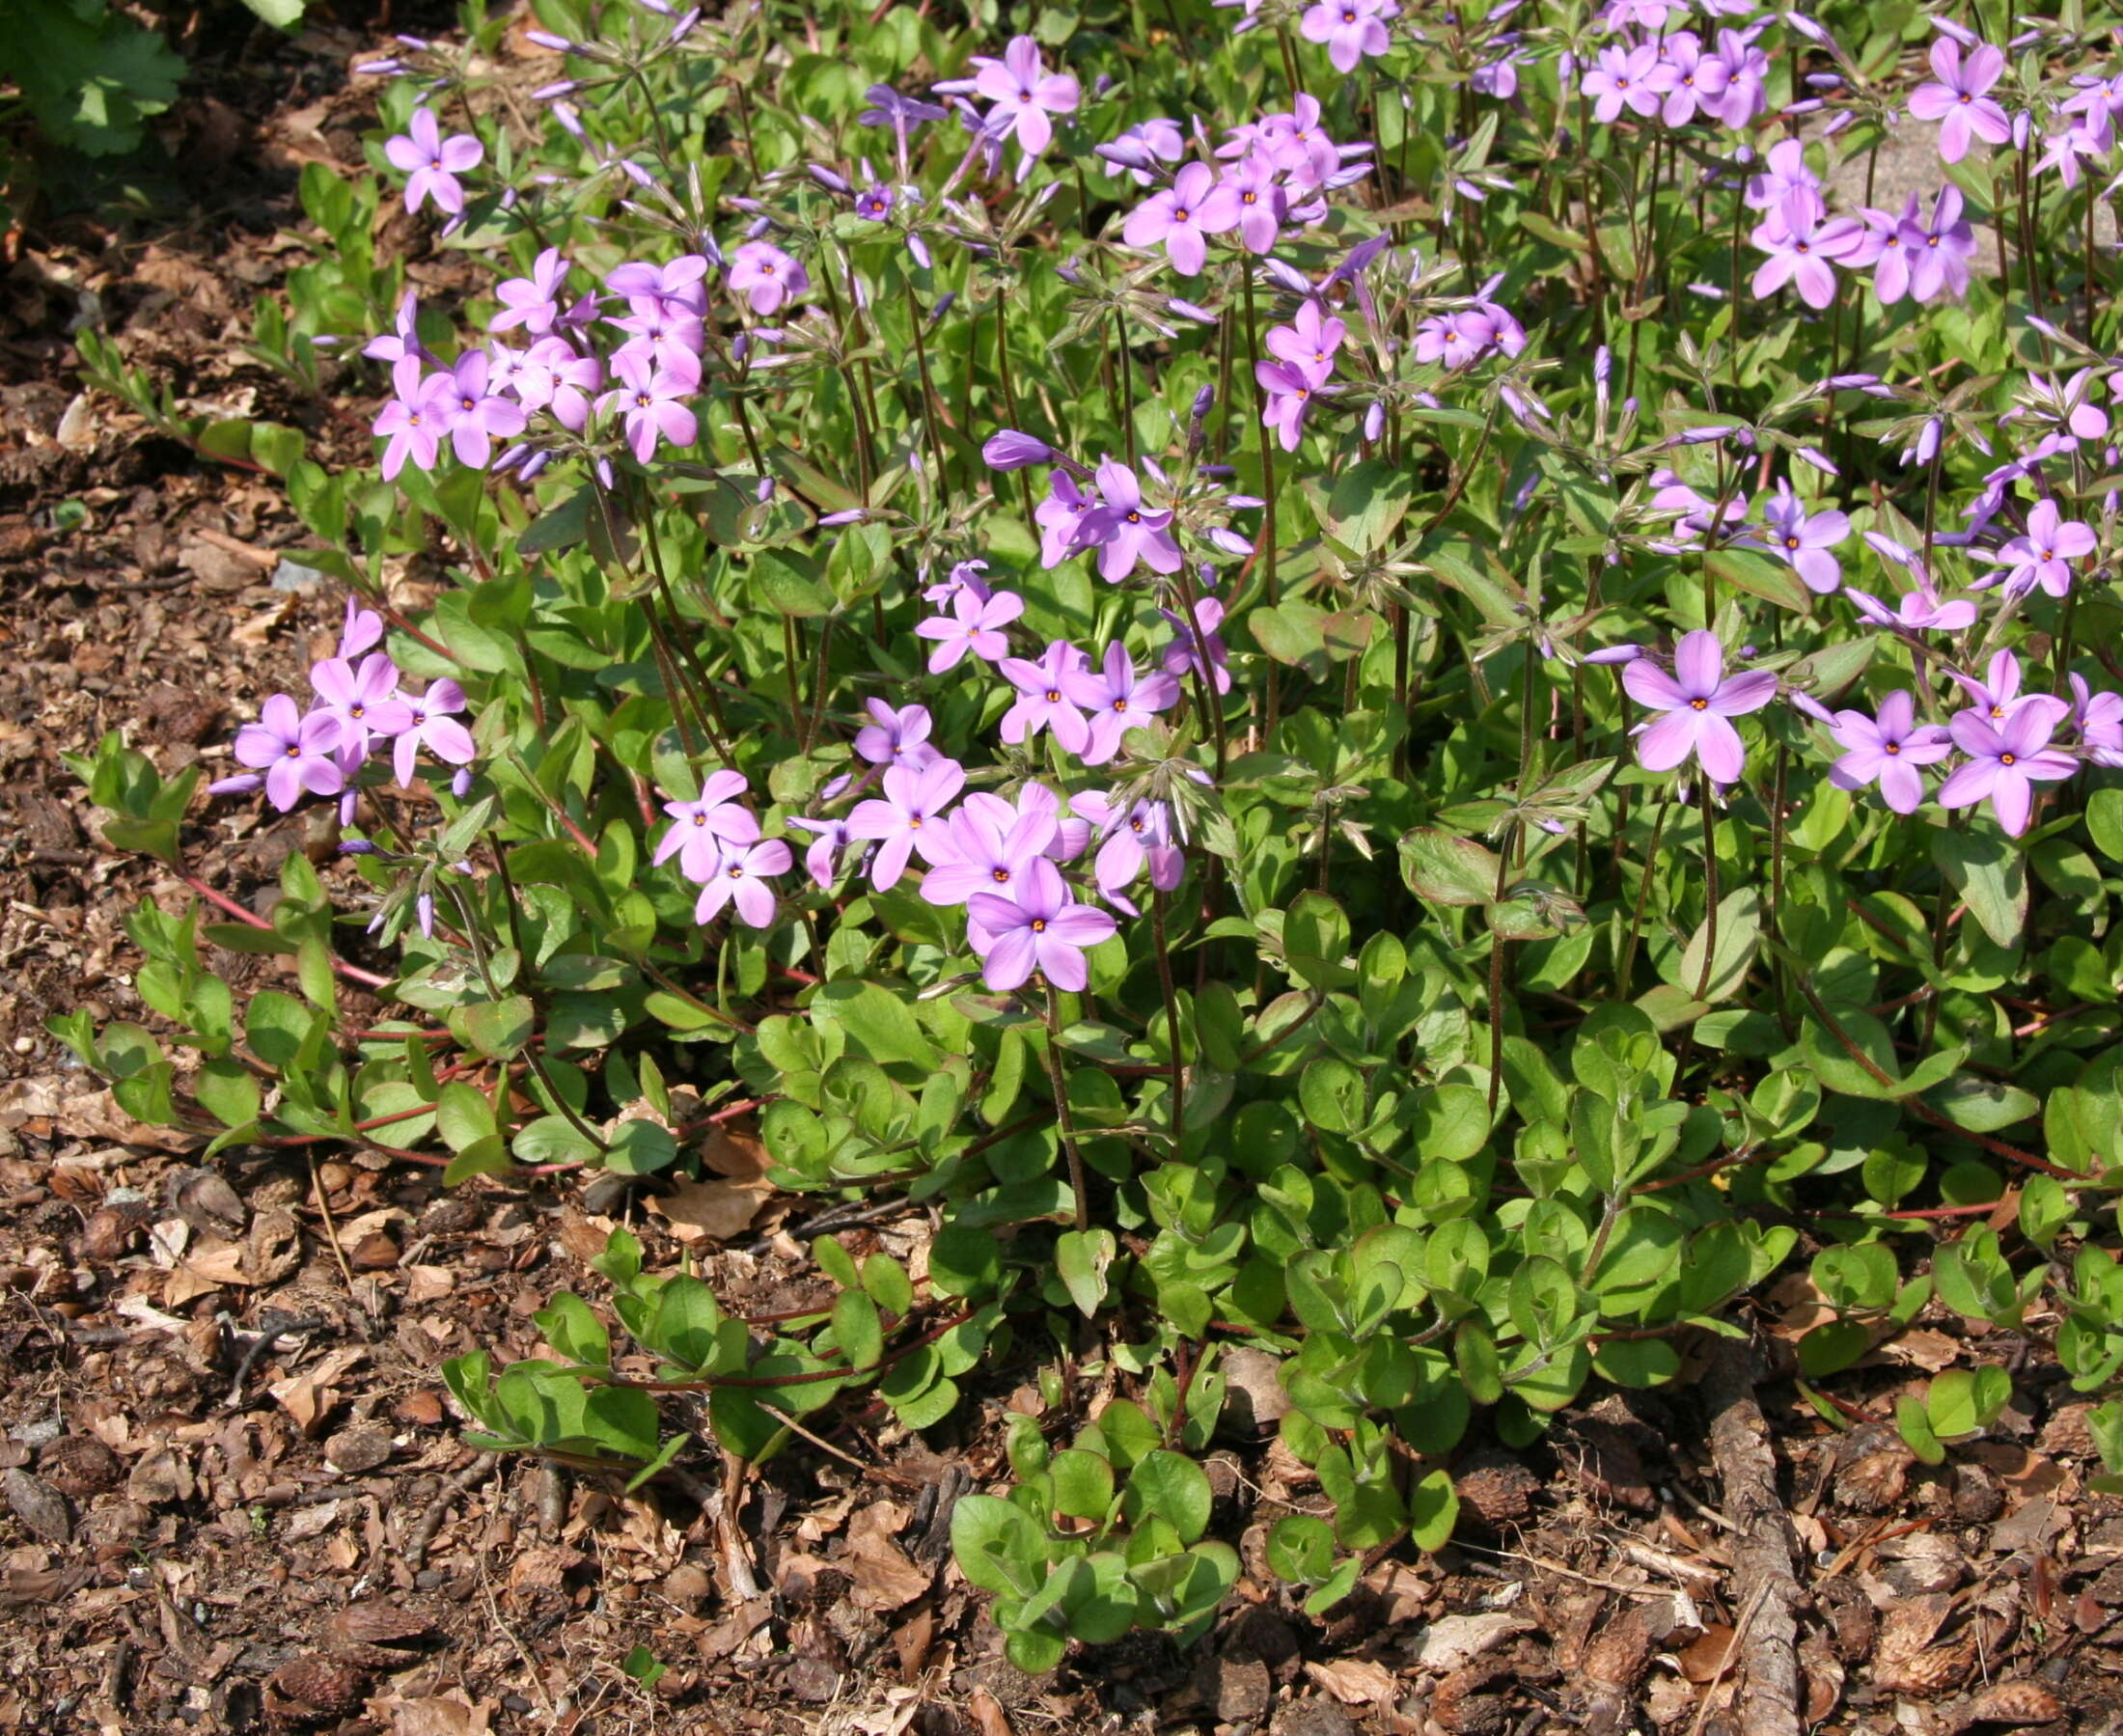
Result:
1042,704
1958,99
532,302
1887,751
822,857
1118,698
432,163
1061,517
2044,555
1696,704
651,398
1804,539
362,701
415,421
909,817
1998,698
1024,94
741,880
1041,927
974,625
294,751
1194,206
480,416
1199,647
898,738
1351,29
699,830
1123,528
766,277
430,725
991,853
2004,763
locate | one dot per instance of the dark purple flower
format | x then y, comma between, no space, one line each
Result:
651,398
822,858
1061,517
1198,647
1804,539
766,277
430,725
1122,529
898,738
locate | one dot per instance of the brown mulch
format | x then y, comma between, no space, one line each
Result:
233,1497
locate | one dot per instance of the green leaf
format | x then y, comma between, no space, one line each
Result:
1991,879
1915,1427
1739,933
229,1092
1446,869
1081,1258
497,1029
857,1329
1433,1510
1172,1487
640,1148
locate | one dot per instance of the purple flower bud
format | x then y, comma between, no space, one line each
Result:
1819,459
918,248
460,782
1838,121
2022,124
1230,541
1812,707
1008,450
534,465
546,39
242,784
1617,653
853,516
765,490
1289,277
1187,310
1374,419
1204,401
562,86
357,847
828,180
1603,364
379,69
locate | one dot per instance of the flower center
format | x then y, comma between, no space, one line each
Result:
467,404
1135,518
294,750
1054,696
1039,925
1791,542
1892,747
353,711
736,870
1698,705
1002,876
2004,759
1179,213
699,819
1120,704
914,821
1248,198
1930,241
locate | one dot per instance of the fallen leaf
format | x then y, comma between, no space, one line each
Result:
1355,1681
1459,1639
2015,1703
717,1210
734,1151
884,1578
987,1713
1706,1659
436,1715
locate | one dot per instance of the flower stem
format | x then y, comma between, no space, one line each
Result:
1061,1088
1171,1026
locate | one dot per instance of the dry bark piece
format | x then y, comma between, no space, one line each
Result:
41,1508
1614,1664
2014,1703
376,1635
78,1465
1498,1489
358,1449
312,1688
1872,1470
1254,1398
1460,1706
1907,1662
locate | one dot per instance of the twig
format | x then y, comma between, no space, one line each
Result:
438,1509
1763,1568
255,1351
331,1238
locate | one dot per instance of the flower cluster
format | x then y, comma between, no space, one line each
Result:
355,709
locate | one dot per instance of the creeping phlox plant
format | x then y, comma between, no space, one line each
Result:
1389,683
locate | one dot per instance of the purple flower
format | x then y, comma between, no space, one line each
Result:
415,421
1698,79
1262,205
1061,517
1455,338
898,738
1887,751
361,629
1199,647
1998,698
700,828
1801,241
1191,209
430,725
1917,611
1308,340
1938,253
1042,702
556,376
910,817
532,302
2043,556
2004,762
873,204
1039,927
294,751
766,277
403,337
1804,540
1123,528
741,879
974,625
2099,719
1118,699
992,852
1289,392
1698,702
1958,99
1625,77
1008,450
650,398
479,418
361,702
1024,94
432,163
1784,172
1137,151
1351,29
677,287
822,858
1139,833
